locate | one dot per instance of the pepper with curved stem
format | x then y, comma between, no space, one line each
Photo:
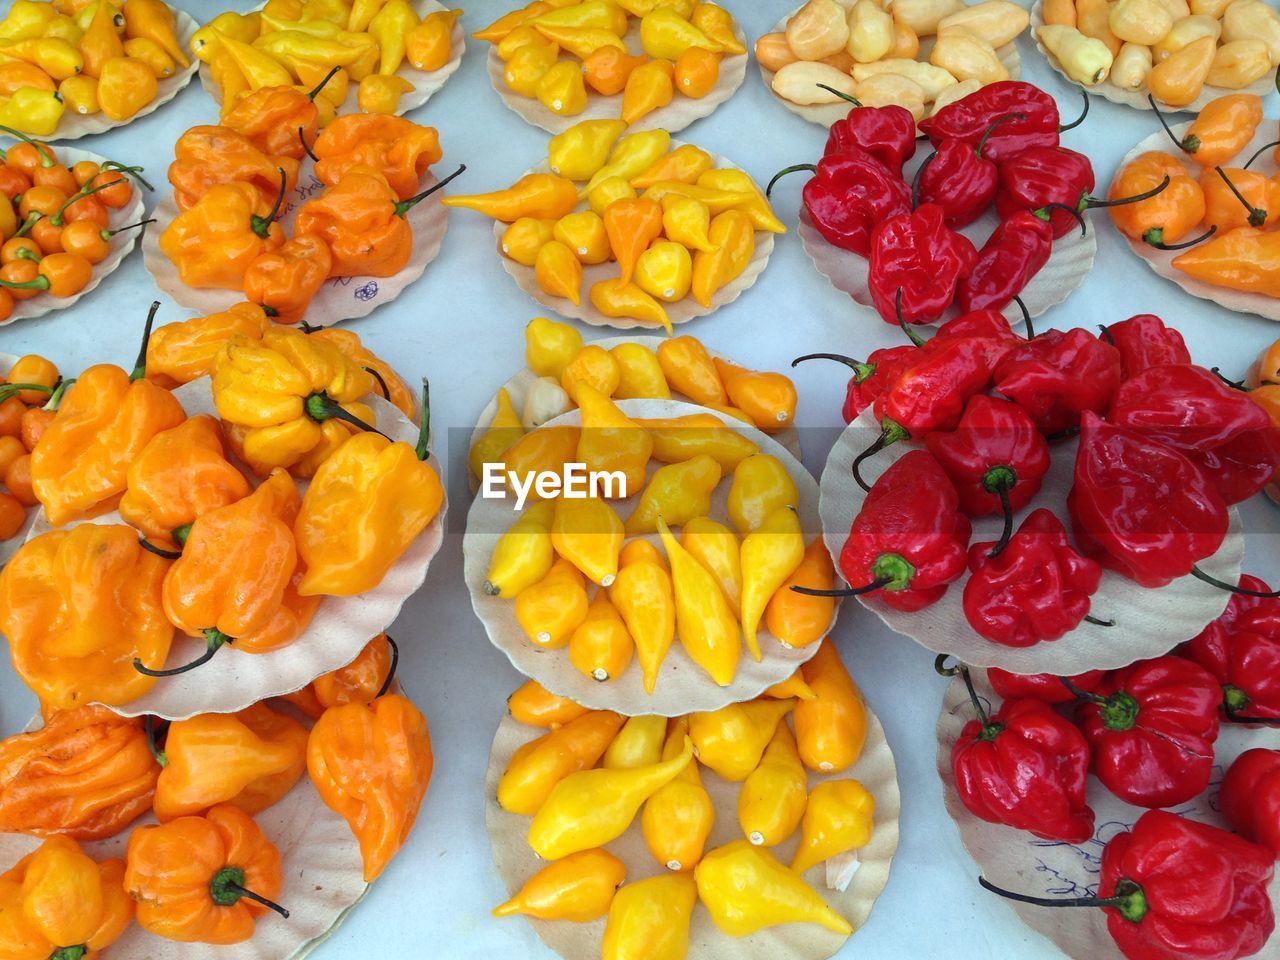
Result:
47,156
1046,212
877,584
154,736
262,225
914,337
848,98
404,206
1064,127
34,217
179,535
1097,622
132,172
321,407
1261,150
140,364
1152,239
1129,899
1181,144
306,147
57,218
214,641
890,433
1231,587
227,888
915,181
391,670
871,378
1257,216
1000,487
1094,203
378,378
794,168
959,178
1026,318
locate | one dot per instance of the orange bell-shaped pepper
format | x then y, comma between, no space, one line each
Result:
214,242
86,774
57,902
237,563
249,759
284,281
631,226
206,157
371,764
77,607
390,384
278,121
181,352
1171,214
180,474
399,149
203,879
364,679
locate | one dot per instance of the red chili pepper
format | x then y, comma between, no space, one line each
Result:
1025,767
888,133
850,194
969,118
871,377
1144,341
1219,429
958,178
1177,889
1152,727
1140,507
1016,251
978,323
1242,651
908,542
1250,797
1058,376
1041,686
1032,589
916,263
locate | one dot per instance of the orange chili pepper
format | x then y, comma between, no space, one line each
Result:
207,156
390,384
1234,197
631,226
607,70
535,706
696,72
769,399
279,121
185,351
1222,128
364,679
1167,217
399,149
284,281
798,619
213,243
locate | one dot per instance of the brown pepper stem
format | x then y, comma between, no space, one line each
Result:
1261,150
1155,238
306,147
1093,203
424,426
321,85
878,583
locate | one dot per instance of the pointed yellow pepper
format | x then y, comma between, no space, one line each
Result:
839,818
578,889
772,801
678,819
770,554
649,919
732,740
643,594
705,624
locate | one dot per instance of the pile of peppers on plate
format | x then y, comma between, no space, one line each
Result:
587,782
29,395
997,148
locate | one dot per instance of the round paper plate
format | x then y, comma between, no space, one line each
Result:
676,115
323,881
1138,98
425,84
1068,265
121,244
825,114
73,126
682,311
9,547
875,769
682,687
1026,864
1161,261
1149,623
341,298
337,633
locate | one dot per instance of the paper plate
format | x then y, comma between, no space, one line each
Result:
426,84
1069,263
1161,261
875,769
341,628
341,298
1149,623
682,687
825,114
323,881
121,244
1138,98
1026,864
73,126
519,384
682,311
9,547
676,115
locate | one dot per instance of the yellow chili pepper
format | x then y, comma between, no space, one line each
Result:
125,86
362,13
1239,63
649,919
550,346
665,34
870,32
380,93
546,449
551,609
578,889
797,619
527,65
101,40
580,41
716,547
650,87
665,271
760,486
584,233
746,890
639,373
558,271
1182,32
588,533
996,21
154,20
542,195
80,95
831,729
772,801
793,686
581,150
717,24
606,192
562,90
260,69
429,45
757,208
705,624
535,706
33,111
242,27
769,399
497,30
539,765
631,156
732,740
525,237
683,164
1253,19
601,647
58,58
680,438
611,441
678,819
770,554
594,366
631,226
391,27
503,431
967,57
594,14
524,554
153,55
689,369
676,493
839,818
643,595
1140,21
1179,79
616,298
638,743
517,38
697,72
732,234
1085,59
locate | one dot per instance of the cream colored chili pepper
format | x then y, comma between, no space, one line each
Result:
1085,59
930,79
1131,66
1140,21
996,21
870,32
819,29
966,57
802,82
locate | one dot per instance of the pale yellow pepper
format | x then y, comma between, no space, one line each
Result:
649,919
745,889
772,801
967,57
551,609
839,818
1140,21
924,16
1179,79
717,23
631,156
1236,64
705,624
732,740
760,486
996,21
1183,31
676,493
544,401
870,32
770,555
579,889
588,533
550,346
1085,59
1253,19
818,30
678,819
638,743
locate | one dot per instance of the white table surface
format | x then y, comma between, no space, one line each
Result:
461,325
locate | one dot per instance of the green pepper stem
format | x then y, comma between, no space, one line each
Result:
424,427
914,337
794,168
940,666
1261,150
35,283
879,583
47,157
215,639
1003,480
321,407
1257,216
227,887
1129,899
1046,213
391,670
1026,317
890,433
1080,694
404,206
133,172
861,371
306,147
13,389
1231,588
1093,203
32,219
86,191
1064,127
323,83
140,365
1097,622
847,98
1155,238
69,953
55,398
1001,119
1180,144
262,225
153,739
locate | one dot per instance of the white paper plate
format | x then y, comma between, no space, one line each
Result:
682,687
73,126
825,114
1161,261
1149,623
676,115
1023,863
1069,263
9,547
341,628
121,244
682,311
1138,98
340,298
426,85
875,769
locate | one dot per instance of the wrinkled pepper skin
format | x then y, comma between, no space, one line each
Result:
206,157
361,219
1145,341
74,646
214,242
86,774
850,194
399,149
917,261
1250,797
1058,376
969,119
184,351
1047,687
888,133
1242,650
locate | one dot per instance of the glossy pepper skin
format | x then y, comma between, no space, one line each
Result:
389,384
1221,430
910,535
1242,650
371,764
73,645
362,220
182,352
1167,217
1188,889
959,178
207,156
1016,251
1250,797
399,149
888,133
1145,341
931,393
1140,507
1059,376
1152,731
279,121
916,263
969,118
80,466
284,281
1047,687
1245,259
186,875
86,774
57,902
850,193
214,242
1038,176
1037,588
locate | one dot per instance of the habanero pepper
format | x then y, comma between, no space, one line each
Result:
1056,377
871,377
284,281
1250,797
1241,649
959,178
1144,341
390,384
888,133
395,147
1164,219
1017,249
279,121
1041,686
181,352
969,119
916,262
214,241
206,157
